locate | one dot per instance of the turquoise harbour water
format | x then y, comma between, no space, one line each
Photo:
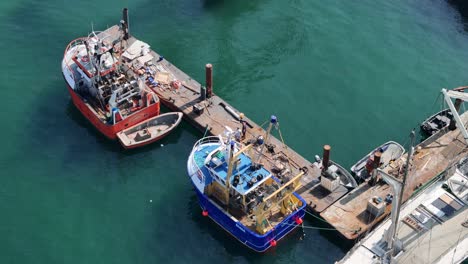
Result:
351,74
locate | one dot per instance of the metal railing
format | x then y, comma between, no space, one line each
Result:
205,140
72,44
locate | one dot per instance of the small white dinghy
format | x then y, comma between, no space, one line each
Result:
390,151
150,130
436,123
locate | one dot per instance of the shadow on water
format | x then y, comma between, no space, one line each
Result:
195,8
235,8
209,4
462,7
75,115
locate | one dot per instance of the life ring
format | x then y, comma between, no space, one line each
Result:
85,58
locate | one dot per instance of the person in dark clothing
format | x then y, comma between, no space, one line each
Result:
244,125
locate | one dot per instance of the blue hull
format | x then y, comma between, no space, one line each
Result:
259,243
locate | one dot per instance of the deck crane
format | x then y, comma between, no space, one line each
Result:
459,96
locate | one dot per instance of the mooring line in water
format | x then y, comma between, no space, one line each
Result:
313,227
206,130
323,220
264,123
281,136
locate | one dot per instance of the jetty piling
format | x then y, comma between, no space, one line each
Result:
326,157
209,80
377,156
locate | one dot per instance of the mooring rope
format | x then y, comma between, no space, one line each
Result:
206,130
325,228
312,227
264,123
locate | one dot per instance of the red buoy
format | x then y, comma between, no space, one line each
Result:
299,221
273,243
205,213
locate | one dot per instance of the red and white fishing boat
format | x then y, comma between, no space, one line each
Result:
99,85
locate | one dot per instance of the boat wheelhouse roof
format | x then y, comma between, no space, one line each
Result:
218,166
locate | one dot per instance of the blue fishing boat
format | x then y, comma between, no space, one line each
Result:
240,195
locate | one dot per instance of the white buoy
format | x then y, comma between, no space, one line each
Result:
151,201
162,145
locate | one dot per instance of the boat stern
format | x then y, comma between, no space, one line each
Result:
251,239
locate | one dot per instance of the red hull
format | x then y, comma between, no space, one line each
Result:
110,131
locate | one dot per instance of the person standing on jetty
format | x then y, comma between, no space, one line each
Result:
244,125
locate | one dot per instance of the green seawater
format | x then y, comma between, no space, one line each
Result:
351,74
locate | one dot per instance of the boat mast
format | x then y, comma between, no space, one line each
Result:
96,75
124,32
232,162
448,95
273,121
398,188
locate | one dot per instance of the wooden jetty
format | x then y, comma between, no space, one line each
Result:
351,215
211,114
